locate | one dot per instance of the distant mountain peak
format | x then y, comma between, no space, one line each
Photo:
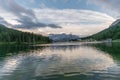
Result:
63,37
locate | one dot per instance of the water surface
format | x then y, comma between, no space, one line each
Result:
60,61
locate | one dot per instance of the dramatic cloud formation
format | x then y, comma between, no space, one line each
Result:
26,17
110,6
82,22
73,16
81,17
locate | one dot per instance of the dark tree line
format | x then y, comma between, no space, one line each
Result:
11,35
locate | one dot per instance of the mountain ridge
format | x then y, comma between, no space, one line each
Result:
63,37
112,32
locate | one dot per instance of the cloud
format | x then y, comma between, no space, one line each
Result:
109,6
2,21
40,20
26,17
28,24
84,22
31,1
73,16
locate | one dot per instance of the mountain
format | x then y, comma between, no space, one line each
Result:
113,32
12,35
63,37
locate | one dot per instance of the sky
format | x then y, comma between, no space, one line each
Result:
79,17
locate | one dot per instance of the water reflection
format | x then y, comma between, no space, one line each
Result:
112,48
79,60
60,62
8,50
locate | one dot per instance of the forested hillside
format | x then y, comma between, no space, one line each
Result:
112,32
10,35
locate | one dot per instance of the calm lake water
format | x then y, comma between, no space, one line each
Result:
60,61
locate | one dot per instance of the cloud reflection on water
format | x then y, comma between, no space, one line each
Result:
67,60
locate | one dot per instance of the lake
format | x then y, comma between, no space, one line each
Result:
60,61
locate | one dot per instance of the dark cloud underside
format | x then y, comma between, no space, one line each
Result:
26,17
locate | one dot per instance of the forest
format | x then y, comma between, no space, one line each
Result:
8,35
